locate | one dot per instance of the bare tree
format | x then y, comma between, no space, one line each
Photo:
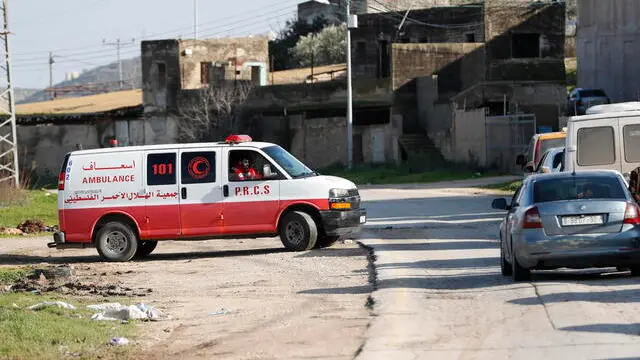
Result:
212,110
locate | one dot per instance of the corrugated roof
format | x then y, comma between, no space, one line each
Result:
84,105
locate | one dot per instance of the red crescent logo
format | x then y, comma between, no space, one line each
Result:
199,167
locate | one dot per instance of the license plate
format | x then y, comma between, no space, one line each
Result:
582,220
363,219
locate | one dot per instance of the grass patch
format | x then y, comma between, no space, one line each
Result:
55,333
571,71
9,275
35,204
506,187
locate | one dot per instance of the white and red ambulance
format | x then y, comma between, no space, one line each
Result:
123,200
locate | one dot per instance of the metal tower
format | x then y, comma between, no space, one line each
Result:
9,170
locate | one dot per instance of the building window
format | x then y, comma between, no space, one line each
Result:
384,66
162,74
161,169
361,50
470,37
525,45
596,146
204,72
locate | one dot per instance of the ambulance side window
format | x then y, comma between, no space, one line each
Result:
161,169
246,165
198,167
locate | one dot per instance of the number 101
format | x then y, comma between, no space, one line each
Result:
162,169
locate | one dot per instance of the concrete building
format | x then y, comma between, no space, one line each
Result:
608,47
501,57
311,10
170,66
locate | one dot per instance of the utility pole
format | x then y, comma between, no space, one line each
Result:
352,23
195,19
51,62
9,169
118,44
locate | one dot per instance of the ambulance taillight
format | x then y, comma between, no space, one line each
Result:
63,173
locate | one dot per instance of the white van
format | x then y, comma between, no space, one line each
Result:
607,137
122,200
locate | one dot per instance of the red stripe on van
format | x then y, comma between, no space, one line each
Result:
164,222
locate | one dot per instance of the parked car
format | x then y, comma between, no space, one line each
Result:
579,100
569,219
608,137
552,161
538,145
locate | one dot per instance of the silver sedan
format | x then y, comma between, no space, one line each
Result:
585,219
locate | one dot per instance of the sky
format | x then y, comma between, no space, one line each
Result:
74,30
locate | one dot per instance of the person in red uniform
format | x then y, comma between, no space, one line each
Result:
243,171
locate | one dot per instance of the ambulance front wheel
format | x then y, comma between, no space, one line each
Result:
298,231
116,241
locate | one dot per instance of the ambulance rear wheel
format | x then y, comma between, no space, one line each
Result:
298,231
116,241
145,248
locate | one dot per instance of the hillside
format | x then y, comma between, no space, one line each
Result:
100,79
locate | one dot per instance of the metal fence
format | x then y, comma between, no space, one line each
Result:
506,137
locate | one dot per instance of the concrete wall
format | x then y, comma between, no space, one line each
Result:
415,60
376,6
312,137
46,145
608,47
236,53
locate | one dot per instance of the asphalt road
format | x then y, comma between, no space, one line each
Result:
440,294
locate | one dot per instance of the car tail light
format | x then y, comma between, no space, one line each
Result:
532,219
61,181
632,215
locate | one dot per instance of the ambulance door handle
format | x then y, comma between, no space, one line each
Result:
183,192
225,190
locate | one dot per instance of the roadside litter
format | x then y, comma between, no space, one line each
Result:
118,312
59,304
221,312
119,341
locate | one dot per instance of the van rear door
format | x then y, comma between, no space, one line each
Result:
630,139
162,204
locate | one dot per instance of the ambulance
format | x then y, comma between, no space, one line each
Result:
123,200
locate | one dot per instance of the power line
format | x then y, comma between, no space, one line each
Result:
228,20
117,44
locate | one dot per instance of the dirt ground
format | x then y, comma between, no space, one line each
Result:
280,305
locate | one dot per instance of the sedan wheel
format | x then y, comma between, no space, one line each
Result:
519,273
505,267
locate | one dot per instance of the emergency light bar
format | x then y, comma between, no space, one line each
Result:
234,139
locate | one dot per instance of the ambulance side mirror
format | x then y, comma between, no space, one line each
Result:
268,172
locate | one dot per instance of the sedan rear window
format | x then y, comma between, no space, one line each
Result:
578,187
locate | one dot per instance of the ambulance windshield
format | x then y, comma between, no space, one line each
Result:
293,166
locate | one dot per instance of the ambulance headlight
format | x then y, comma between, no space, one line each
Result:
338,193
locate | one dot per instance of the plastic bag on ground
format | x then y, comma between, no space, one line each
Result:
117,312
45,304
